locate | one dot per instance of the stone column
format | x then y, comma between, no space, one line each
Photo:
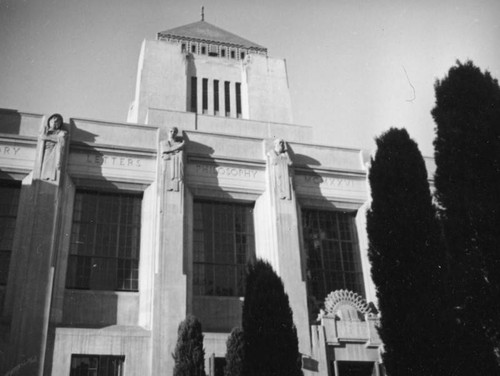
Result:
169,299
280,242
31,290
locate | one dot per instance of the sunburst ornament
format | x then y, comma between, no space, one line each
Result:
342,300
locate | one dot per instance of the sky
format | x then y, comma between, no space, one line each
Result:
355,67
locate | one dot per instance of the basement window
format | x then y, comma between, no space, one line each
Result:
96,365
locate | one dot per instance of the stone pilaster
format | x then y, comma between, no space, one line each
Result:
35,253
280,243
170,285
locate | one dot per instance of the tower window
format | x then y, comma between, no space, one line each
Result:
238,99
194,97
227,98
105,241
216,97
205,95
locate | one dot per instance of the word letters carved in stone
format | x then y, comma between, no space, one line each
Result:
223,171
327,181
9,151
113,161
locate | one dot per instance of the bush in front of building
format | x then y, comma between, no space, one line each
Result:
234,353
467,180
189,354
271,345
407,259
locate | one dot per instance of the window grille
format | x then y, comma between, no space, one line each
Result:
223,243
9,201
332,252
105,241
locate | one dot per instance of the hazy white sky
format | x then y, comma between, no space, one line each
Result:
356,67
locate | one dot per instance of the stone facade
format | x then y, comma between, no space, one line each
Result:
56,308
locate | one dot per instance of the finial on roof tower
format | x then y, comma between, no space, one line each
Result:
203,13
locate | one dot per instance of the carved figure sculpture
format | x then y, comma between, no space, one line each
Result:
172,155
54,140
279,163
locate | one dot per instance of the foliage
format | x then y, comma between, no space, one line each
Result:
271,344
189,354
408,264
467,154
235,353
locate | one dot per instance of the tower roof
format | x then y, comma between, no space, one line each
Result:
203,31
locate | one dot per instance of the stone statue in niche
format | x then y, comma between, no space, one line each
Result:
279,162
172,155
54,141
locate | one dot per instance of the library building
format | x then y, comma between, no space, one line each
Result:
111,233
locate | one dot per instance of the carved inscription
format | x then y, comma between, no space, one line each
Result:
329,182
104,160
225,171
9,150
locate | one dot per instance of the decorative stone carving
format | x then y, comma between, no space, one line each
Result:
172,155
278,164
54,141
346,305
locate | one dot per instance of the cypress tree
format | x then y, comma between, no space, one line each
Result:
234,353
408,264
270,338
467,179
189,354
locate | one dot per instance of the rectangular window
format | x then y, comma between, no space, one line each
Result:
227,98
194,94
9,201
238,99
216,97
233,54
217,365
105,241
183,47
242,55
212,50
333,259
96,365
223,243
346,368
205,95
193,48
223,52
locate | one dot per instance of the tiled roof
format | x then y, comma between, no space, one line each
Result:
202,30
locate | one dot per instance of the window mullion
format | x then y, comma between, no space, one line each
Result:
341,248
